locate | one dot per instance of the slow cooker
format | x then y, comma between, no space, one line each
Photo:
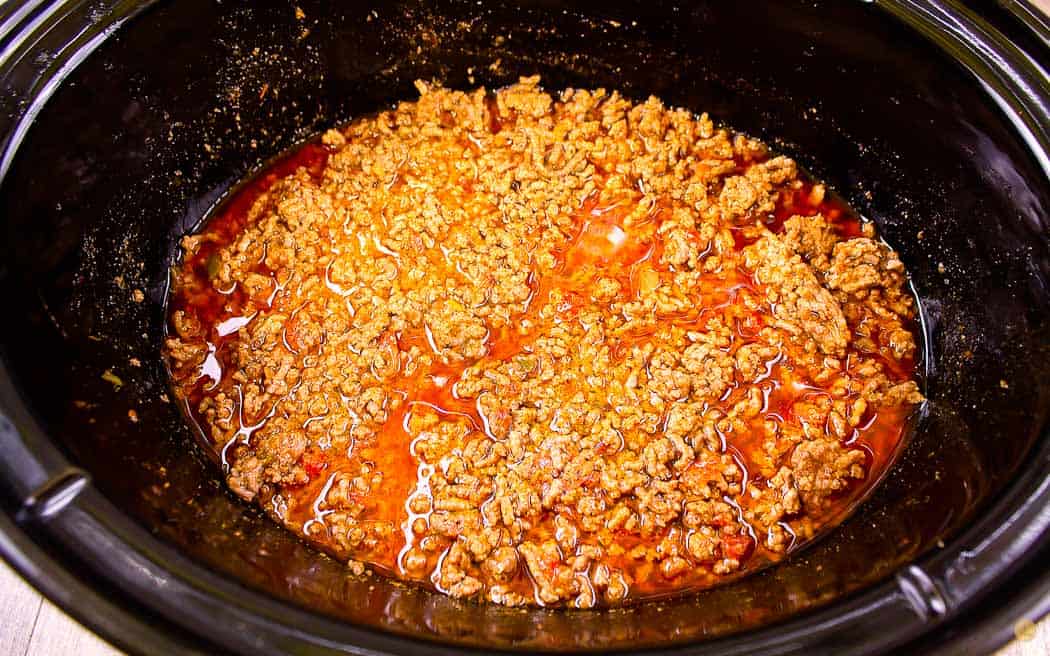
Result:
124,122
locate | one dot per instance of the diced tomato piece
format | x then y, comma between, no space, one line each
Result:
314,463
736,546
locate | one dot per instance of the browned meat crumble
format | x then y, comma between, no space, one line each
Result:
544,350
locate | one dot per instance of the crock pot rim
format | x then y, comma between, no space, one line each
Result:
39,539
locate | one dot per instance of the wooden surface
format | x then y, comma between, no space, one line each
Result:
32,626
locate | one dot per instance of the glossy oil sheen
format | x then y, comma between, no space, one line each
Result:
153,128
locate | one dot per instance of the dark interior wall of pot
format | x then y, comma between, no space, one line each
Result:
158,124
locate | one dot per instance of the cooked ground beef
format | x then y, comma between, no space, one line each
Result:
537,350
